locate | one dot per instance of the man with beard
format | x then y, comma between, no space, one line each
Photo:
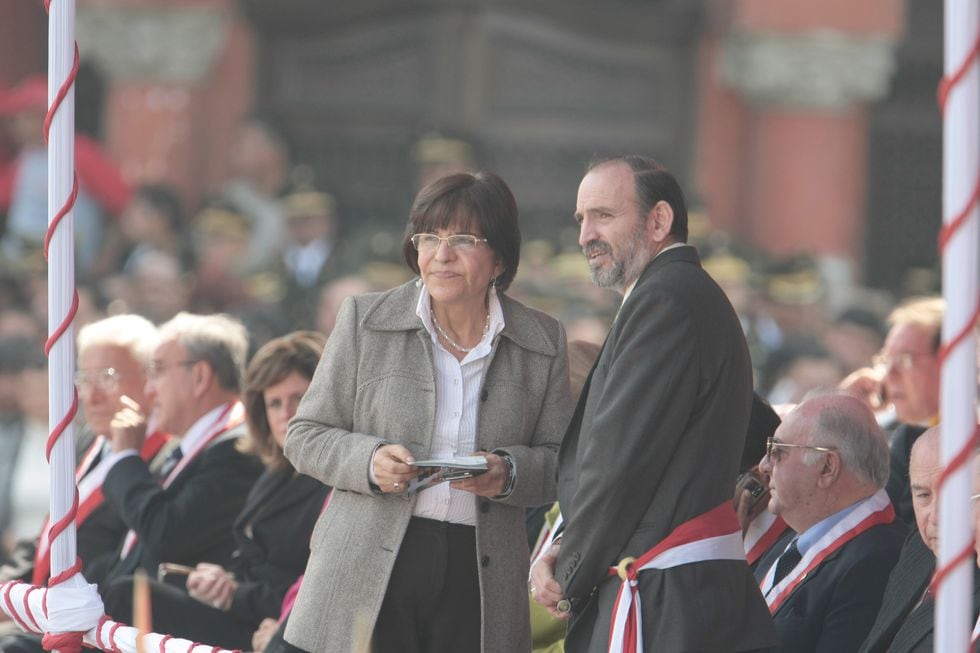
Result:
648,461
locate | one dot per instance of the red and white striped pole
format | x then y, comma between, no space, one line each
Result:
959,101
59,127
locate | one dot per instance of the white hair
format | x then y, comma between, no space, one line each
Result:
134,333
218,339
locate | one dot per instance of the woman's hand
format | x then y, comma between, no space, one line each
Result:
212,585
393,468
261,637
490,483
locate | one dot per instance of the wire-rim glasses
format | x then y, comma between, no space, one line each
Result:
772,443
460,242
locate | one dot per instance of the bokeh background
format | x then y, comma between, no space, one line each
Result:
268,152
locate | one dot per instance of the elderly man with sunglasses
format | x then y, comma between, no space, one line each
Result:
828,463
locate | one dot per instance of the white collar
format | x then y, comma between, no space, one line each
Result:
201,428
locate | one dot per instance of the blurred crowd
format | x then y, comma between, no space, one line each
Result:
267,248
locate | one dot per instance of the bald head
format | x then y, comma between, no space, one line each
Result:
828,453
924,469
846,423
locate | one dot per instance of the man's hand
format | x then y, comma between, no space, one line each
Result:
212,585
490,483
127,430
865,384
751,496
393,468
544,588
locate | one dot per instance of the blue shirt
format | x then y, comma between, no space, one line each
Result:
810,536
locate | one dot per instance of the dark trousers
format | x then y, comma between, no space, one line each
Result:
432,604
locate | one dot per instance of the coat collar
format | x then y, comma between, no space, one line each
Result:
685,254
395,311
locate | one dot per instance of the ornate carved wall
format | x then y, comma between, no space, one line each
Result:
539,88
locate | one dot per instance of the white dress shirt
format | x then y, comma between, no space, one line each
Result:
458,385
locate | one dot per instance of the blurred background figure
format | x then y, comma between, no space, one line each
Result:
903,387
334,294
23,183
152,222
310,257
13,351
437,155
28,483
158,287
854,337
221,237
799,367
259,165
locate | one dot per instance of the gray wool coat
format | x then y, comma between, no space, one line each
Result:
376,384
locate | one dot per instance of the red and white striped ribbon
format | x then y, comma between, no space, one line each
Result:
714,535
876,509
762,533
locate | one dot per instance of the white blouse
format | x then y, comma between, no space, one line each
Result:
458,385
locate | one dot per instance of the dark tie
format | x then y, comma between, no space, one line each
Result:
790,558
170,463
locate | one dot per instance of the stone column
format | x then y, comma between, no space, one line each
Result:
783,149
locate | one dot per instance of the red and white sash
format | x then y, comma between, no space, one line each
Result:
874,510
233,415
762,533
714,535
89,482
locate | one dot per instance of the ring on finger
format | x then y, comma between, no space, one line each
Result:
395,485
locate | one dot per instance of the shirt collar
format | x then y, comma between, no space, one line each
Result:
200,428
809,537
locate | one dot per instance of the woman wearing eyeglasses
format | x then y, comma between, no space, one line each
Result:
444,366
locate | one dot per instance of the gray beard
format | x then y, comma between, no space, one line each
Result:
627,268
612,277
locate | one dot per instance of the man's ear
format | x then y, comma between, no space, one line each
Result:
660,220
202,376
830,469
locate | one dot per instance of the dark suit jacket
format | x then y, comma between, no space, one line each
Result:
655,441
273,537
904,624
898,488
833,609
191,520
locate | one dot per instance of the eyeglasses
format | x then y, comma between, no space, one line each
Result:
105,379
974,498
772,448
458,242
155,369
904,361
